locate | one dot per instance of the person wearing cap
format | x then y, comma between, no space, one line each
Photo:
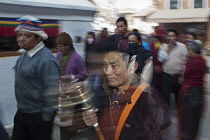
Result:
72,69
172,55
36,84
155,44
72,65
191,101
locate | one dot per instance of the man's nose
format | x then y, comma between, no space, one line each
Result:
21,38
108,70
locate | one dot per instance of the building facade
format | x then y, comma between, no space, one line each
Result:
186,16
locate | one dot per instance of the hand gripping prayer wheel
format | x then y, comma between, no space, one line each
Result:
73,99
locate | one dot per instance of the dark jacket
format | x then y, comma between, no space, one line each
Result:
148,120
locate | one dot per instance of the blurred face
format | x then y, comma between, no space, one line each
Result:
89,36
190,38
115,69
133,39
191,53
121,28
64,49
104,33
171,36
27,40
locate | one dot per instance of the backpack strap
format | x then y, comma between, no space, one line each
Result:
128,108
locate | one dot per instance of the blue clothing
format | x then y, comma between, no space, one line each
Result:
146,46
36,83
3,132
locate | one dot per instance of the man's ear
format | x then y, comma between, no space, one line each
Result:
133,65
39,38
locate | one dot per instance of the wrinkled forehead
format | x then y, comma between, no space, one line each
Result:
115,57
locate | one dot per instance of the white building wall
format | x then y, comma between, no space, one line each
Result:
77,28
7,96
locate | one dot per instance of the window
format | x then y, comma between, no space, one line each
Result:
198,4
173,4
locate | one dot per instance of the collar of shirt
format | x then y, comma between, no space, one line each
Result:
175,44
38,47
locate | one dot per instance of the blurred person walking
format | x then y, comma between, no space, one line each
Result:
144,57
122,34
121,37
172,55
36,84
191,101
90,42
93,60
191,37
72,65
155,45
144,43
72,69
101,39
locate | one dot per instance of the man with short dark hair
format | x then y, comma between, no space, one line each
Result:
36,83
173,57
122,28
121,37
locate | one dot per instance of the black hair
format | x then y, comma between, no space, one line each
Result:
135,31
162,39
122,19
192,34
195,47
92,33
138,36
174,31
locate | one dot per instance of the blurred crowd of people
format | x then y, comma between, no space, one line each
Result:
131,76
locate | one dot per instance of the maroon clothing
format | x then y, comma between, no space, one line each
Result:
190,102
121,41
148,119
194,71
157,65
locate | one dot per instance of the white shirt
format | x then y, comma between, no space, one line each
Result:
38,47
174,61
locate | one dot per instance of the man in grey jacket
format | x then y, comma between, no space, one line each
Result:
36,83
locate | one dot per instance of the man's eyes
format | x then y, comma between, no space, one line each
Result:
27,36
114,66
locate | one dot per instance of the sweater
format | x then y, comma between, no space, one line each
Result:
76,66
194,71
36,83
